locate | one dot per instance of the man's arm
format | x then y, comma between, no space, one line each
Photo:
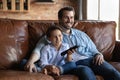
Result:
30,66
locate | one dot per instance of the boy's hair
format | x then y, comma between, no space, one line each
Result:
51,29
68,8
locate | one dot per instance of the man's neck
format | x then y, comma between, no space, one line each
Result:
67,31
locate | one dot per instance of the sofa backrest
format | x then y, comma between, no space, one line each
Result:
101,32
18,38
37,29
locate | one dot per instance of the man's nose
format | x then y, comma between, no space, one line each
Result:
69,20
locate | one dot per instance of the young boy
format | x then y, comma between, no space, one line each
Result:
51,54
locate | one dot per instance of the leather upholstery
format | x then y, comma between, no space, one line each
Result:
13,42
19,37
23,75
102,34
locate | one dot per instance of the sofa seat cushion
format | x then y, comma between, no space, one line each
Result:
22,75
73,77
116,65
66,77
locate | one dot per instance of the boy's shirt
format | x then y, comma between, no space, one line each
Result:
51,56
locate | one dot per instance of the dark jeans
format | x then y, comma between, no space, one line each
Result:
106,70
83,72
67,67
86,70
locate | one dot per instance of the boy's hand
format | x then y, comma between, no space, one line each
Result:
55,70
44,71
70,49
69,56
52,70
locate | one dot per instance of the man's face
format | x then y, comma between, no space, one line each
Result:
67,19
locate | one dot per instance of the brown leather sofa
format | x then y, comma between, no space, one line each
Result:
19,37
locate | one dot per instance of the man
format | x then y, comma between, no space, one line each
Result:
88,59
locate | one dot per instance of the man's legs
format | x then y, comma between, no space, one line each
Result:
107,71
83,72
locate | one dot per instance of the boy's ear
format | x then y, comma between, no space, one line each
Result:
49,39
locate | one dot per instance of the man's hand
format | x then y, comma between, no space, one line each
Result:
30,67
98,59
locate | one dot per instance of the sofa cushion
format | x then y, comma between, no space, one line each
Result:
66,77
13,42
22,75
73,77
116,65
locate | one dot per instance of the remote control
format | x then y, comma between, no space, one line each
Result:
64,52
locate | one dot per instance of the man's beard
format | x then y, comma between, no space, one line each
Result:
67,27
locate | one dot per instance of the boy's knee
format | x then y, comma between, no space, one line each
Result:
71,65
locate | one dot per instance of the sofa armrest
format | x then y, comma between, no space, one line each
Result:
116,52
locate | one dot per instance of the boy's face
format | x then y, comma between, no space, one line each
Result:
56,37
67,19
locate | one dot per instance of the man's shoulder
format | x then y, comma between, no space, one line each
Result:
77,31
43,40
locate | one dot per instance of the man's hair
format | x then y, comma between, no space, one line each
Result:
51,29
68,8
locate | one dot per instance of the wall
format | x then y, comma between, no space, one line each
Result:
40,11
